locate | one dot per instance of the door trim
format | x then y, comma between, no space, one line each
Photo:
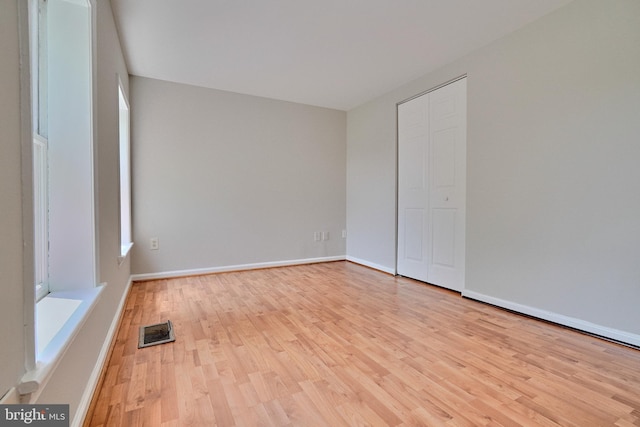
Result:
440,86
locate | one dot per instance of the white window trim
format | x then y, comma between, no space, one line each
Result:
125,250
59,331
41,223
124,173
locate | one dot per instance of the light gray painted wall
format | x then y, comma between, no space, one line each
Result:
224,179
70,378
11,313
553,218
371,183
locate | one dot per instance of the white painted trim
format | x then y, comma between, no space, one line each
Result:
28,267
375,266
93,131
34,381
572,322
125,251
239,267
92,383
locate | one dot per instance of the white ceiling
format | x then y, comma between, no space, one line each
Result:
331,53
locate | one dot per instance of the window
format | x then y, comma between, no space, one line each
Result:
40,147
62,70
69,125
39,55
65,265
125,174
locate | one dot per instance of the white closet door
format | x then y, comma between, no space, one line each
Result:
432,186
447,184
413,175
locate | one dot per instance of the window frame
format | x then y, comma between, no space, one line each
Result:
41,216
124,157
40,163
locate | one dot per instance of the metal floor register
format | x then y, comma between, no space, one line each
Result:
159,333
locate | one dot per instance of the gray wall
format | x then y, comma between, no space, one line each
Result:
553,218
224,179
69,380
12,356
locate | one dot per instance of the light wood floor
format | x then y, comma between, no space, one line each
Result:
339,344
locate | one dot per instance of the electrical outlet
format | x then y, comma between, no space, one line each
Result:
344,234
317,236
325,235
154,244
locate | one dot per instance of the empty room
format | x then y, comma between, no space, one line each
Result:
330,213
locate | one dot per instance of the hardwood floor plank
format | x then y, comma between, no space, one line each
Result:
168,396
322,403
221,410
358,413
277,415
338,344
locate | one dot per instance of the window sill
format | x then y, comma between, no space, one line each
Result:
124,252
59,317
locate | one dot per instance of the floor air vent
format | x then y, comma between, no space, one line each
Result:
156,334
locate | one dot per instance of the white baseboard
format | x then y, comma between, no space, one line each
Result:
375,266
572,322
85,400
239,267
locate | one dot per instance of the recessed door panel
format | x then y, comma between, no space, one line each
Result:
444,159
442,106
444,230
416,173
414,219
